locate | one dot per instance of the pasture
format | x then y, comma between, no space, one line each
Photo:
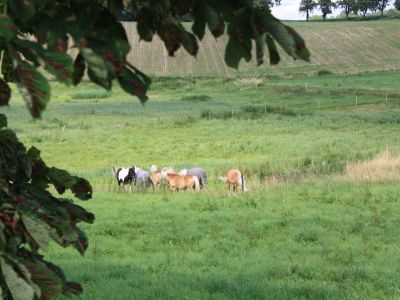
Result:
308,229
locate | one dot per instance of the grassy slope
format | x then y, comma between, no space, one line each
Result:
320,238
340,47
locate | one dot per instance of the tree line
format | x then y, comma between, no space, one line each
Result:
358,7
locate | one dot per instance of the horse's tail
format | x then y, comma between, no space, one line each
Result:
196,183
223,178
244,187
114,171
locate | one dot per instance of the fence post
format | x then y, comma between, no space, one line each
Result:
356,101
386,96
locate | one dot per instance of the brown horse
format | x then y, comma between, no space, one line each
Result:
156,178
235,178
179,182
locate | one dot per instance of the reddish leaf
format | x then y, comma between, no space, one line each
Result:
33,87
48,281
81,243
134,82
73,288
171,36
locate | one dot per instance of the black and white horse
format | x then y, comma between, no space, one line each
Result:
135,175
124,176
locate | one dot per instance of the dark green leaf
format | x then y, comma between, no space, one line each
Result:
81,243
38,229
5,93
299,44
103,82
287,37
260,48
199,24
3,121
79,69
61,179
7,28
33,153
23,9
189,42
82,189
97,72
233,54
274,57
18,287
145,26
7,67
33,87
215,22
76,213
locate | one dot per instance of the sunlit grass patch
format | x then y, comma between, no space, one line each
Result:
384,167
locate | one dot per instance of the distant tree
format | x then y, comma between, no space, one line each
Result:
348,6
307,6
326,7
363,6
397,4
266,3
381,5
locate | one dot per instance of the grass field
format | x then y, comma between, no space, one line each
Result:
315,224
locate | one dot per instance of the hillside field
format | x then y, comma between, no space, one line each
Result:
337,47
321,156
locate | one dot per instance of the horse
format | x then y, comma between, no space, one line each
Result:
168,170
124,175
157,176
235,178
198,172
186,182
141,177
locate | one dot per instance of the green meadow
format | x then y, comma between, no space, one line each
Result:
306,230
